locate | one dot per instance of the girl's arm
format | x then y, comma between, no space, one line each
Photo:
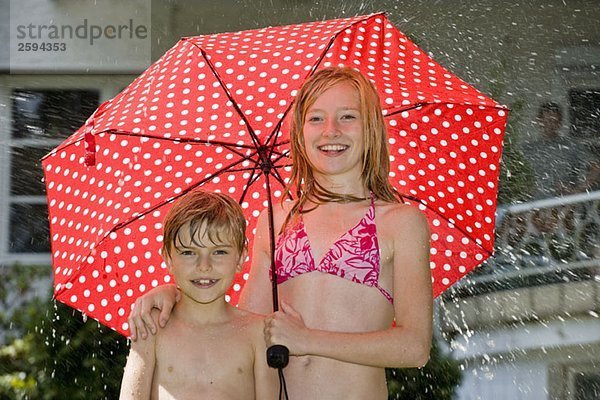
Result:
141,319
265,378
139,370
408,343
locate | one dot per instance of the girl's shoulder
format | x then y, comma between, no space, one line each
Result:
285,207
280,211
400,215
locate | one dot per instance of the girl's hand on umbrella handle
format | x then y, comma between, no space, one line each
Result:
140,320
287,328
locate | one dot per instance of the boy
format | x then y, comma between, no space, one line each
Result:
209,349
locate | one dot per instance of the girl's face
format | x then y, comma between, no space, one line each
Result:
333,134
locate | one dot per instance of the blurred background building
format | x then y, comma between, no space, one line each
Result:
526,325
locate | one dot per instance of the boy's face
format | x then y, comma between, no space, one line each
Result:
203,270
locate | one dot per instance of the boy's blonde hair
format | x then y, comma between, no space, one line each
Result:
220,214
375,160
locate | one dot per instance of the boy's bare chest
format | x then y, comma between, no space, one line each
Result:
209,360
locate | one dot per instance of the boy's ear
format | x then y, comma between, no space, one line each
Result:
241,261
167,259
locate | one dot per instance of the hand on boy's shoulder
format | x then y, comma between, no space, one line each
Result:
147,345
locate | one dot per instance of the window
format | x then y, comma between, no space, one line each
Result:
42,119
584,382
579,379
585,113
587,385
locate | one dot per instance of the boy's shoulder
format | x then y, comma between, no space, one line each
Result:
248,318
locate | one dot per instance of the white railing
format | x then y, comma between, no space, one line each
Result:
541,242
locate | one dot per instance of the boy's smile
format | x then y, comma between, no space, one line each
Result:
205,283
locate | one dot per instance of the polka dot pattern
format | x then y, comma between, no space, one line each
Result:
198,117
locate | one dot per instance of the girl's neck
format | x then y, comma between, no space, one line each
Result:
343,187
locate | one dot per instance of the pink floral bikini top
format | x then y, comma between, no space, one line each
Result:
354,256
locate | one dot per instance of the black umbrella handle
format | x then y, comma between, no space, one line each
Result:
278,356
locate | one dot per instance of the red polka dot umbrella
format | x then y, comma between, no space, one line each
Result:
212,112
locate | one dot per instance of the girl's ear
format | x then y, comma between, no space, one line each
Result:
241,260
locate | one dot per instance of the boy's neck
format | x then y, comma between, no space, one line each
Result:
196,313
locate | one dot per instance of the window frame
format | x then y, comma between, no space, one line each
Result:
107,87
574,370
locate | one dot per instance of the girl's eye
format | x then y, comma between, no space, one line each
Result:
349,116
314,119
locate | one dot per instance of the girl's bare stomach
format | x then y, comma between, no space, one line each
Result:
318,378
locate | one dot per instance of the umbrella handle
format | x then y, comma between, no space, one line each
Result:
278,356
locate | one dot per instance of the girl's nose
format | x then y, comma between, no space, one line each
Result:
331,128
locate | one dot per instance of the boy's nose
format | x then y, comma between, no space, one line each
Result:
204,264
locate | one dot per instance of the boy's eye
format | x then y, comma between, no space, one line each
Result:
185,251
220,252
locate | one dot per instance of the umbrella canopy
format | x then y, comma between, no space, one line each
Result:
212,113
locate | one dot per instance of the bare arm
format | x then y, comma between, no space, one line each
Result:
265,378
139,371
256,294
405,345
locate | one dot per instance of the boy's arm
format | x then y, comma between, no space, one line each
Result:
139,370
266,384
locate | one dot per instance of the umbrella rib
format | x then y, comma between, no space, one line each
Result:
160,204
253,178
230,146
279,179
412,107
417,105
335,36
229,96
